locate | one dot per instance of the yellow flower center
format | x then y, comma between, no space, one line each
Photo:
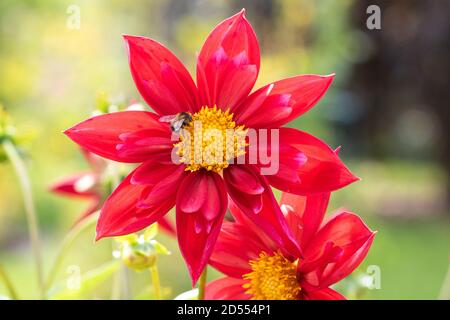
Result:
272,278
211,140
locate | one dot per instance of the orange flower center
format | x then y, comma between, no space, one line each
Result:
211,140
272,278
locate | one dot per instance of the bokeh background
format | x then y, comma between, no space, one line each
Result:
388,109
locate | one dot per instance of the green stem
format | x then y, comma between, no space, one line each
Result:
156,282
202,284
8,284
66,244
33,225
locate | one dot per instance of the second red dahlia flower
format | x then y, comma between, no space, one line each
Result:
257,268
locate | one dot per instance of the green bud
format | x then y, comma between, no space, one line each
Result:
140,252
7,131
138,257
102,102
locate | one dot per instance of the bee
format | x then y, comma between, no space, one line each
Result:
177,121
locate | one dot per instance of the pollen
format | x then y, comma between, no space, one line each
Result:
211,140
273,277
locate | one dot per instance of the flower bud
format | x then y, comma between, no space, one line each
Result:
138,257
7,131
139,252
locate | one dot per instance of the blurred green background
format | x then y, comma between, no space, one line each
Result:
388,108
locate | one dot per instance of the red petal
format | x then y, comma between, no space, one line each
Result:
160,190
163,81
228,63
280,102
244,180
70,185
324,294
323,170
144,143
120,215
226,289
305,214
121,136
152,172
198,230
245,186
238,243
278,157
262,209
336,250
188,201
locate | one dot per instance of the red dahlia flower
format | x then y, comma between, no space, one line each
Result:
88,185
227,68
256,267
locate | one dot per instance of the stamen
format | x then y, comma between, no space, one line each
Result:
273,277
211,140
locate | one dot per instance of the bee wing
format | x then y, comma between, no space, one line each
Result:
168,118
176,125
